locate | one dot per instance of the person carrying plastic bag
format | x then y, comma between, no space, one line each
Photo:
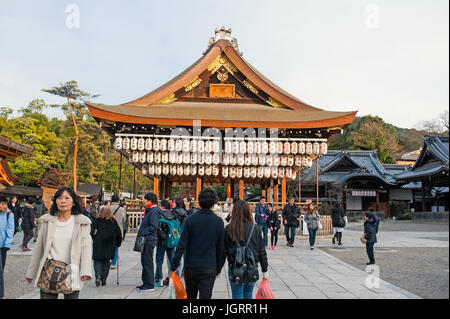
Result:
176,289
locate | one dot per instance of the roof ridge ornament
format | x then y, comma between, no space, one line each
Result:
223,34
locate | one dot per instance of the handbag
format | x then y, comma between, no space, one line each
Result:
56,277
319,225
363,239
139,244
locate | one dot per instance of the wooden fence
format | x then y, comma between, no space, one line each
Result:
135,210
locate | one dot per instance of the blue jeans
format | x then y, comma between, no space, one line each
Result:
264,230
2,287
160,252
369,249
241,291
312,236
290,229
114,260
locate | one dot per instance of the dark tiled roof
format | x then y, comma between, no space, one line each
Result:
86,189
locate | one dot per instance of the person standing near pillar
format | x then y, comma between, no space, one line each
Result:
120,215
274,226
28,224
261,216
291,213
339,220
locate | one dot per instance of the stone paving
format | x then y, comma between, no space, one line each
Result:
294,273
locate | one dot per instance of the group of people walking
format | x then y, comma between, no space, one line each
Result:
196,242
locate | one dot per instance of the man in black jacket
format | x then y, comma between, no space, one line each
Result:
290,214
149,229
203,240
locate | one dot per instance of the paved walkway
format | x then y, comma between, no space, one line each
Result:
294,273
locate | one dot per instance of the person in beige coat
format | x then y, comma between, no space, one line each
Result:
64,236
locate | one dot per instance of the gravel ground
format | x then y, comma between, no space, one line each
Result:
407,225
15,270
422,271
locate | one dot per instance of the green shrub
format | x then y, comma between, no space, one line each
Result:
406,215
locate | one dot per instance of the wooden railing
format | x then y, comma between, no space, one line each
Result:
135,210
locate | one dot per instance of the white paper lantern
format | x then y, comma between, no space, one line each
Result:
186,158
274,172
165,158
258,147
226,159
232,172
158,170
246,172
173,170
228,147
235,147
133,143
171,145
141,144
323,148
253,172
148,144
144,170
281,172
316,148
264,147
294,148
233,160
142,157
288,172
150,157
126,143
272,147
260,172
250,148
180,170
200,146
301,148
242,147
186,170
240,159
283,160
294,176
178,145
216,158
201,158
193,170
118,143
280,147
298,160
215,170
179,158
157,158
290,160
287,148
165,169
267,172
305,161
151,169
156,144
225,171
269,160
193,146
163,145
310,162
216,146
309,148
172,157
248,159
208,146
238,172
193,157
276,160
135,157
261,159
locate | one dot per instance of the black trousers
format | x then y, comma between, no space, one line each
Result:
199,281
2,284
27,235
74,295
274,237
101,268
369,249
3,255
148,272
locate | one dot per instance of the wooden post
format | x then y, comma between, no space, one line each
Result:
75,150
283,191
269,192
229,191
299,186
241,189
120,175
378,201
275,194
134,183
199,187
317,182
232,187
156,186
424,206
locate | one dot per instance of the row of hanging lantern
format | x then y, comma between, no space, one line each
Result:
214,170
230,146
216,159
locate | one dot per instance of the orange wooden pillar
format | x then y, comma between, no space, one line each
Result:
269,191
241,189
229,190
275,194
156,186
283,191
199,187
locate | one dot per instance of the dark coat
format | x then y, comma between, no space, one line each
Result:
180,214
149,225
163,228
336,214
261,214
256,244
28,217
291,214
371,229
274,219
106,239
17,213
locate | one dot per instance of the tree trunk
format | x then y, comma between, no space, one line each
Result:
75,148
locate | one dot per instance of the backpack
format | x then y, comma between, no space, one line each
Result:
173,237
245,268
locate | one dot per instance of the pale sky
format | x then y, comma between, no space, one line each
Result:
386,58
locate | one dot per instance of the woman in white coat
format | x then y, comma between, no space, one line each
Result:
64,246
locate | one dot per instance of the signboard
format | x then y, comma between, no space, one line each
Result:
364,193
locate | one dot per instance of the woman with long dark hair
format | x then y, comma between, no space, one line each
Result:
62,258
244,232
312,219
